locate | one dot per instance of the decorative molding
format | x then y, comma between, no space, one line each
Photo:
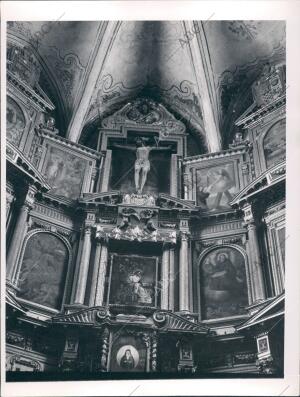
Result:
18,359
52,214
139,199
15,157
216,155
267,179
171,322
147,112
67,69
63,142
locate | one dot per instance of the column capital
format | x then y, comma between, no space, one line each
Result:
30,197
87,229
185,235
249,214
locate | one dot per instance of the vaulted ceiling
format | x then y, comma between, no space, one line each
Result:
202,71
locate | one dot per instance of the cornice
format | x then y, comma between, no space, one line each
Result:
24,166
161,320
215,155
252,116
264,181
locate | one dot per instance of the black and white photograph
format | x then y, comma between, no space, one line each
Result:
146,206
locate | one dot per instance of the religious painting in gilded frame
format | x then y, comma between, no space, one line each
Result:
216,186
223,284
65,172
133,280
129,353
263,346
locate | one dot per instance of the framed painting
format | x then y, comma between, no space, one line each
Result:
129,354
216,186
43,270
15,122
133,280
263,347
223,284
65,172
274,144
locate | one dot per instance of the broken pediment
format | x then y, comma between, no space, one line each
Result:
145,112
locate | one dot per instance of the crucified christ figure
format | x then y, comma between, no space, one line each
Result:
142,163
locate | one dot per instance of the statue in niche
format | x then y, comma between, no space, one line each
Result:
142,163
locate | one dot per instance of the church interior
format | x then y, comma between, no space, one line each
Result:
145,199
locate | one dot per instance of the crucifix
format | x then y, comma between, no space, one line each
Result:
142,163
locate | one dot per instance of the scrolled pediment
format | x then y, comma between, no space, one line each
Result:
168,321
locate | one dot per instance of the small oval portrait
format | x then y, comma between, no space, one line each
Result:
128,357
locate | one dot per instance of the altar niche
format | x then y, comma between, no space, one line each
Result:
141,164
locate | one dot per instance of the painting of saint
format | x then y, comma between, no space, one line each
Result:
65,172
281,239
128,353
133,280
127,357
15,122
274,144
263,345
216,187
43,270
224,287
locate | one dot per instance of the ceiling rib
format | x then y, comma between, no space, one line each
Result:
104,42
204,78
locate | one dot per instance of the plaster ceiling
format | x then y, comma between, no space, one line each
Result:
153,58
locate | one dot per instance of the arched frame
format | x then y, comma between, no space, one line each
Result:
199,262
68,272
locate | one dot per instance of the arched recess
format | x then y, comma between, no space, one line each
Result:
44,267
223,282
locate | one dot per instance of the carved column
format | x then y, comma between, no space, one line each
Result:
96,266
165,278
104,350
184,268
174,175
69,358
79,287
10,198
255,263
146,340
172,278
154,352
100,286
106,171
18,236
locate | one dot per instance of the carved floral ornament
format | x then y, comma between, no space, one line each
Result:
135,233
145,112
